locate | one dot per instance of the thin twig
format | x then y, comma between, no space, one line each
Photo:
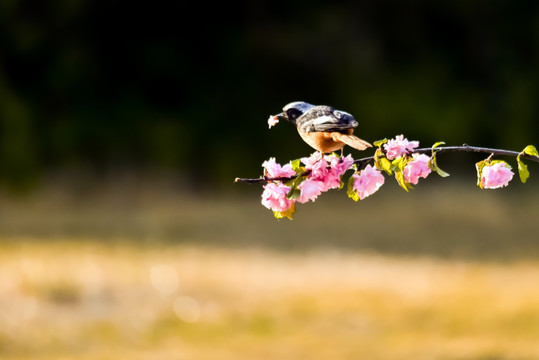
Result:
440,149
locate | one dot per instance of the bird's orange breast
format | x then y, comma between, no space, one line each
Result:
324,141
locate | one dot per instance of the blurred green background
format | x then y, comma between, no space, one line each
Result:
92,87
124,124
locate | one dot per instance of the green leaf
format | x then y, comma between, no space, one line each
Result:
294,193
437,144
440,171
296,166
379,143
479,167
433,163
288,213
522,170
385,165
352,194
530,150
399,163
381,162
398,166
403,183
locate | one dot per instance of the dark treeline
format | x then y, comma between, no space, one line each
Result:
188,87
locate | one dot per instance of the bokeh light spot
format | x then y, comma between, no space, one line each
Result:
187,309
164,279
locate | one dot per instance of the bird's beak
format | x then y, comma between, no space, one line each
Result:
281,116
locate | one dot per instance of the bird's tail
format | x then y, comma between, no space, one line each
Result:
352,141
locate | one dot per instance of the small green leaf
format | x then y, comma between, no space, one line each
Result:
433,164
385,165
381,162
399,163
352,194
296,166
294,193
530,150
288,213
398,166
440,171
403,183
479,167
437,144
522,170
379,143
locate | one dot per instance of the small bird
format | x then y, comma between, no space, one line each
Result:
322,127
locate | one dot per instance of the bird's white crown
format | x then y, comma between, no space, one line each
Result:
299,105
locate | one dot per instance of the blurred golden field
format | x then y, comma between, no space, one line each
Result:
440,273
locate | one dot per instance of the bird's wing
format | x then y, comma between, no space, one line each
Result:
325,118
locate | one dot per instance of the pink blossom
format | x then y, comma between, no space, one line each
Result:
342,164
317,165
337,167
320,170
368,181
496,175
416,168
313,159
331,181
274,170
274,197
399,146
310,189
272,121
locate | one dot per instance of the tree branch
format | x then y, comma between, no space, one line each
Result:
440,149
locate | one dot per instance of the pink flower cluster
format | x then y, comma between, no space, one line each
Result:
496,175
309,177
368,181
274,170
399,146
325,174
274,197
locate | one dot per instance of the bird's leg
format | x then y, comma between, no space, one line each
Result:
321,155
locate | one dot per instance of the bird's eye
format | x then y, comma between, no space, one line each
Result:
293,113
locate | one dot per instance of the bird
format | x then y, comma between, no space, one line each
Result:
323,127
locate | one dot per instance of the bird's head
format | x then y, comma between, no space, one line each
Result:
291,112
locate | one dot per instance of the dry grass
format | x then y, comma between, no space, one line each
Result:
65,300
130,274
